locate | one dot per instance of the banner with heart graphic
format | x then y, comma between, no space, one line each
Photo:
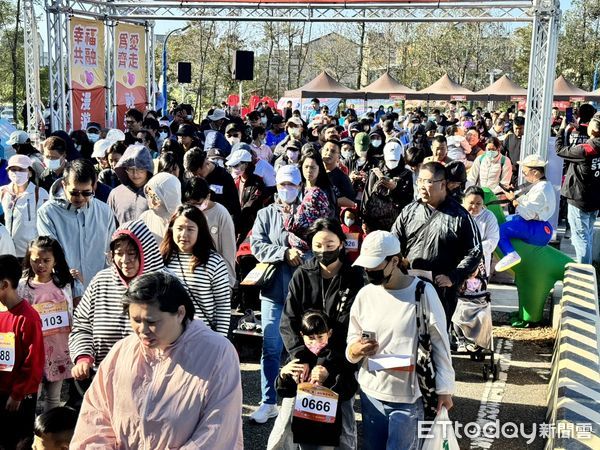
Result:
88,76
130,70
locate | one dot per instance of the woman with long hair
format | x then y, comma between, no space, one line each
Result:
189,252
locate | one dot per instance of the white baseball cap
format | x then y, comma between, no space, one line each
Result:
115,135
217,114
376,246
238,156
288,174
533,161
101,146
22,161
17,137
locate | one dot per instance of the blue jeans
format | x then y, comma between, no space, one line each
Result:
390,426
534,232
582,232
272,347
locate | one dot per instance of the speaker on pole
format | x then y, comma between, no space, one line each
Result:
243,65
184,72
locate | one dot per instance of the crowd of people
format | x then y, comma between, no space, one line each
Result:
125,254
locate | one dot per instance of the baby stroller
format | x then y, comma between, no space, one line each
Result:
472,323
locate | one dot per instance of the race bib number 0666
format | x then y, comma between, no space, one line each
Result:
315,403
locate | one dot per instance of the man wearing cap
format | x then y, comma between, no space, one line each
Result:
250,187
383,321
439,236
270,244
234,134
21,201
277,133
217,120
186,136
81,223
581,188
262,168
93,131
294,129
533,209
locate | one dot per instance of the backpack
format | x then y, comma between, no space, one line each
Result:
380,211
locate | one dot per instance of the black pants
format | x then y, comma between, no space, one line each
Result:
17,425
448,297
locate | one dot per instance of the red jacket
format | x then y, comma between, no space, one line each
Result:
26,375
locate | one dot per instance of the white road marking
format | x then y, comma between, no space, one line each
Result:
493,392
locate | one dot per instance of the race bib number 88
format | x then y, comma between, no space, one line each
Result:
7,352
315,403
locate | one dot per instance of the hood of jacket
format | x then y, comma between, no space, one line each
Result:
57,196
150,259
168,189
135,156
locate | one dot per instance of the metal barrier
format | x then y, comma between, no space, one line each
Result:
574,391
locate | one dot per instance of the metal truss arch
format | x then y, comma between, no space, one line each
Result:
543,14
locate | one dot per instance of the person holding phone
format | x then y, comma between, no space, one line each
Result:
383,322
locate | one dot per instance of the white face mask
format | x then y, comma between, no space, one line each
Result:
78,147
295,133
348,222
19,178
233,140
53,164
188,117
292,155
263,120
391,155
93,137
347,155
288,194
163,136
376,143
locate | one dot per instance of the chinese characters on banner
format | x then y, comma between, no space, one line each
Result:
130,70
87,72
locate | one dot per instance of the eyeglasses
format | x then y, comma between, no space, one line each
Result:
424,182
134,170
85,194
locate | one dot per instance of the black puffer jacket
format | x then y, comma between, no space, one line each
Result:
581,186
450,245
306,292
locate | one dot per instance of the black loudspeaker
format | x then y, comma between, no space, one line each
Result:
184,72
243,65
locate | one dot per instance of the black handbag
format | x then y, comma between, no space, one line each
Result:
425,367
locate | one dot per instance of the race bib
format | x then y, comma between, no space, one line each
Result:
7,351
216,188
352,242
316,403
55,317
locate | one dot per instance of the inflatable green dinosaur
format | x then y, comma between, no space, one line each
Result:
535,276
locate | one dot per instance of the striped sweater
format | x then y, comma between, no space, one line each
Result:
208,286
99,321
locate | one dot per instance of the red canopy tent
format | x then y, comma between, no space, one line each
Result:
502,89
323,85
446,89
385,86
565,90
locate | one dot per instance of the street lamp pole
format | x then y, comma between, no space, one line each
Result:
164,66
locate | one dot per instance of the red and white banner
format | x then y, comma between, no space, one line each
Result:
87,72
130,70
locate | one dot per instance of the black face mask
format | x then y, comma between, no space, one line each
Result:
328,257
377,277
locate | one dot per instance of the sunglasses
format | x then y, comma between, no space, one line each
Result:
85,194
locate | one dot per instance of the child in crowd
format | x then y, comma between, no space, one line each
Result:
47,286
21,357
353,231
54,429
309,434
